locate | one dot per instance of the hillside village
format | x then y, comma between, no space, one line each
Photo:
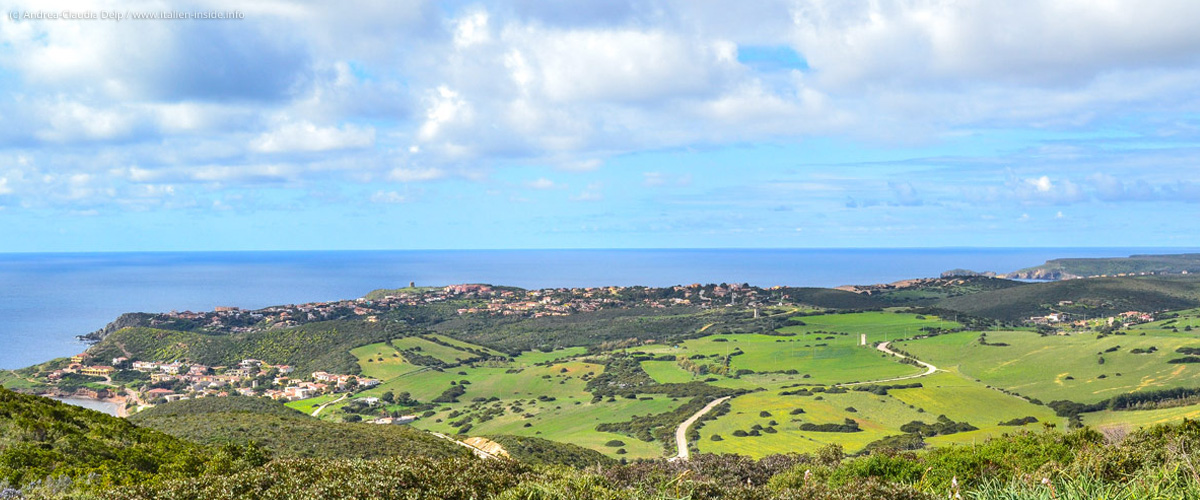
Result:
483,299
154,382
146,382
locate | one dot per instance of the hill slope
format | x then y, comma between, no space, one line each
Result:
40,436
926,291
1091,297
286,432
315,346
534,450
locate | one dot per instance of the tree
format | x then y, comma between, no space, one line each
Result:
388,397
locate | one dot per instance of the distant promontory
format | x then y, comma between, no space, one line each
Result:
1134,265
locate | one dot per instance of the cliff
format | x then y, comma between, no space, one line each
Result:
123,321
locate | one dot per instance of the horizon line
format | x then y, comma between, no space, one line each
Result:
610,249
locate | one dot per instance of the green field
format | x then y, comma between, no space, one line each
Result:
879,326
448,355
493,378
533,357
964,400
1141,418
571,419
1040,367
667,372
947,394
878,416
1186,324
13,380
826,360
382,361
307,406
466,345
501,396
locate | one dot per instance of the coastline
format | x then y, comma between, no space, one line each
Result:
116,283
114,406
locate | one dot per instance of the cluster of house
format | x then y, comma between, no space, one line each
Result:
537,304
236,320
81,364
507,302
1126,318
203,381
567,301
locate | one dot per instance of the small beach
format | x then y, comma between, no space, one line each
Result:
112,406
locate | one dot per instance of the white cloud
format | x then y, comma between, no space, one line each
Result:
191,117
417,174
471,29
4,187
542,183
593,192
305,136
469,88
660,179
445,108
583,165
68,121
1023,41
389,197
905,193
616,65
1044,190
244,174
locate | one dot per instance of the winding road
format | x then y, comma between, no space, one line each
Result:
322,407
929,369
681,432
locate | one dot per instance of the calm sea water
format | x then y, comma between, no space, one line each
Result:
48,299
92,404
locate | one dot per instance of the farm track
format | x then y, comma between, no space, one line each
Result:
929,369
322,407
478,452
681,432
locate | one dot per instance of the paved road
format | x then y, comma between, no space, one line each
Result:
681,432
929,369
322,407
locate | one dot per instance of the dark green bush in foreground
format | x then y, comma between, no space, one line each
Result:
50,450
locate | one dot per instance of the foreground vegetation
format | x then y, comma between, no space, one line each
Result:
242,421
587,403
50,450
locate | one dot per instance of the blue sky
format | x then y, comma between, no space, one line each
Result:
600,124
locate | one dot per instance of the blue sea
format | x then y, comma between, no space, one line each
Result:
48,299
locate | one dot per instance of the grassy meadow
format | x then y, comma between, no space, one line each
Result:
1062,367
544,394
501,397
442,353
826,348
1142,418
382,361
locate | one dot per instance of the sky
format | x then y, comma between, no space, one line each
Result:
409,124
